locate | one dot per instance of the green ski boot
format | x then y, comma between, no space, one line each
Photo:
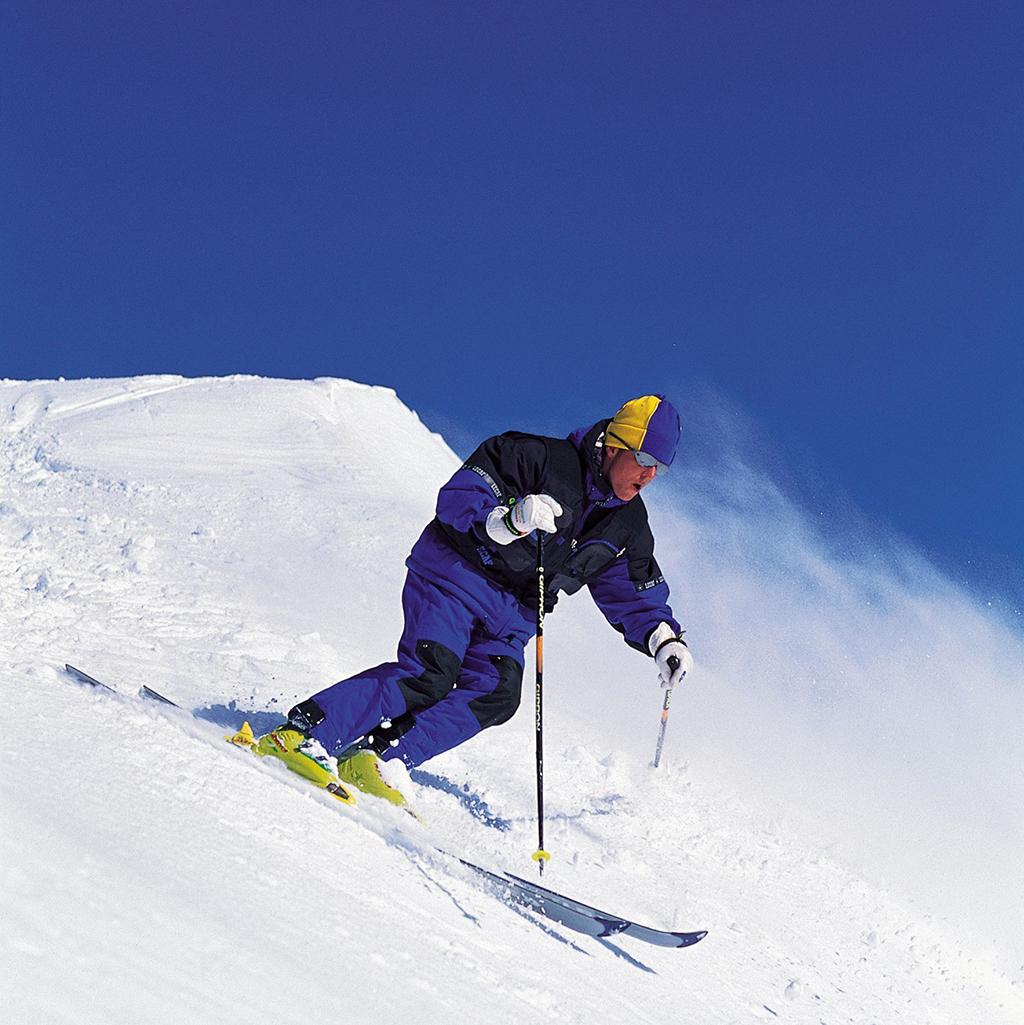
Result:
304,756
362,770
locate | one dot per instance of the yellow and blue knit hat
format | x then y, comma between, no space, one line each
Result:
648,424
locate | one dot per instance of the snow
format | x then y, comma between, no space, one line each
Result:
242,540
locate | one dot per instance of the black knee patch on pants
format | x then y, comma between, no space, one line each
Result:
440,673
500,705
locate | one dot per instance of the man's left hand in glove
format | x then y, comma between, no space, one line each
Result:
671,655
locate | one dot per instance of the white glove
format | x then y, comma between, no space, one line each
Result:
534,512
671,654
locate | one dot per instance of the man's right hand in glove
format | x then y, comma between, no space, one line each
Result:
534,512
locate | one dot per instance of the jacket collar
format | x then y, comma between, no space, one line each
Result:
589,443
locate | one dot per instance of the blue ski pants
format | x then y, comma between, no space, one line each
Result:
459,667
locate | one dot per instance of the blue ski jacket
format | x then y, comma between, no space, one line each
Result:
600,541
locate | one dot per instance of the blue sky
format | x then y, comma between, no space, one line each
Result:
518,215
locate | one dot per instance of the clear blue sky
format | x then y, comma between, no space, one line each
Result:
519,214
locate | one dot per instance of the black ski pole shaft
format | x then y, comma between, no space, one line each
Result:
540,855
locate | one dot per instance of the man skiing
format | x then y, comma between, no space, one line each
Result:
471,595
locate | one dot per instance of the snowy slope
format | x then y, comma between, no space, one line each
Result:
242,540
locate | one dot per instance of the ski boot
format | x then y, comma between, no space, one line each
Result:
302,754
366,772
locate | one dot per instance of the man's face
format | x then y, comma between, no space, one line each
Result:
626,476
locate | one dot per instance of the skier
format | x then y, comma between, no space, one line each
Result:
471,595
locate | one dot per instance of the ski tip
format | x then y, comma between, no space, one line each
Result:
686,939
147,692
663,938
77,674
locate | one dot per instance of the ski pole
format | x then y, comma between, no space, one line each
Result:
540,855
673,665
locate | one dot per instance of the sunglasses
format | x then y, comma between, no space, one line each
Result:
643,458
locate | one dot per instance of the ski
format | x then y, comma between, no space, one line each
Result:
86,678
474,805
513,890
579,918
143,692
573,914
658,937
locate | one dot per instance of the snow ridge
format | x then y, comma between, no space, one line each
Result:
238,543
